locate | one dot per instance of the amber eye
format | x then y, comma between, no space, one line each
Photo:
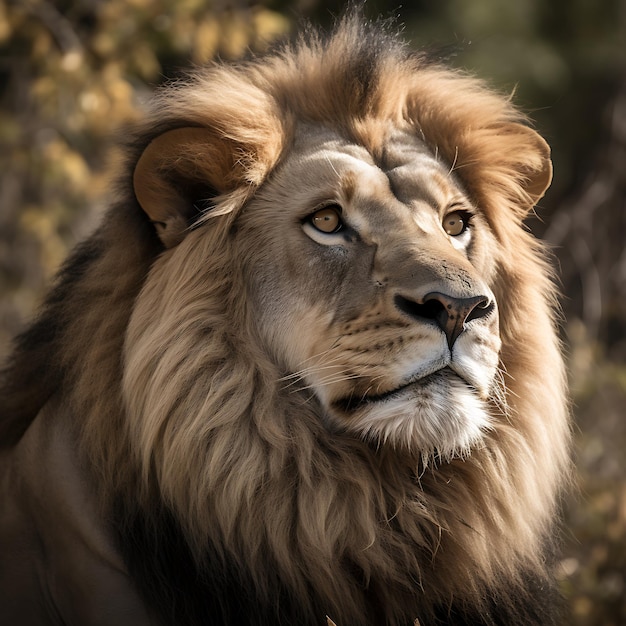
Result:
455,223
327,220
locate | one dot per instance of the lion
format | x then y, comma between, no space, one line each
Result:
307,367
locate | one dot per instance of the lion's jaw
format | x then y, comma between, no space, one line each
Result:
337,329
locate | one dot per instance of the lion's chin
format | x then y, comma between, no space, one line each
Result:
439,416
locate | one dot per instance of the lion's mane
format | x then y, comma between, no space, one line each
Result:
209,470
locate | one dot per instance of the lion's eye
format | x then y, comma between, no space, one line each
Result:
327,220
456,223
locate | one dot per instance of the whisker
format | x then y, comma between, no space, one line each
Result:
459,166
312,368
325,382
499,393
305,372
338,378
331,165
456,157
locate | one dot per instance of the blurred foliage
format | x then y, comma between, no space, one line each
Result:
73,72
71,75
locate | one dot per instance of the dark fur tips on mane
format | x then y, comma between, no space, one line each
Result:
218,592
366,43
35,372
39,366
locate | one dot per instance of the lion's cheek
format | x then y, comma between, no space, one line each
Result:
288,330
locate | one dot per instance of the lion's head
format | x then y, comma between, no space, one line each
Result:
370,290
339,374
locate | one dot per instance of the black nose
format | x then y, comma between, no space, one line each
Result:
451,314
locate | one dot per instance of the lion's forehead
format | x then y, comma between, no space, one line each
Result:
404,171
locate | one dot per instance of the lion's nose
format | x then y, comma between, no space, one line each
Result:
450,313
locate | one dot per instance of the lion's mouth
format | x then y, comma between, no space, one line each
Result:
354,401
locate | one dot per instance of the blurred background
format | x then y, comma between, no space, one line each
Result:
72,73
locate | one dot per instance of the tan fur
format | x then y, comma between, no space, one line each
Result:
194,408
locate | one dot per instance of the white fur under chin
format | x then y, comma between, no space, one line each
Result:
441,417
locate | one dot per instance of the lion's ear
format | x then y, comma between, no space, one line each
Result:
177,173
536,165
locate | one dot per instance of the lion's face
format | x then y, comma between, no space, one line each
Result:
368,284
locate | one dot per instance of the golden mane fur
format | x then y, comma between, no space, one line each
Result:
178,405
